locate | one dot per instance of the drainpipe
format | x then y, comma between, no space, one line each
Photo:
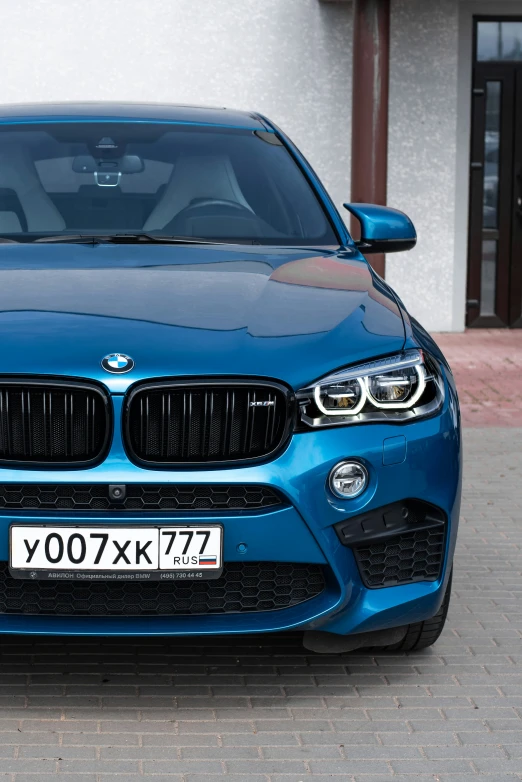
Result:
371,66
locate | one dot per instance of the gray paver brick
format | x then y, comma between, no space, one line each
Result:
431,766
219,753
197,740
28,738
419,739
31,765
112,766
266,766
264,740
182,766
349,767
468,752
498,766
63,777
318,778
56,753
100,739
234,778
367,737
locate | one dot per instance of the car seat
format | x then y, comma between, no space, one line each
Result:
209,177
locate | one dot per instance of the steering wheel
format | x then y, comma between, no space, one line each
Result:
214,207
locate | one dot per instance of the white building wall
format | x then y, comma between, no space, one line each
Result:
290,59
423,156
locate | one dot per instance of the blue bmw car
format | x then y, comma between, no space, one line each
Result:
214,416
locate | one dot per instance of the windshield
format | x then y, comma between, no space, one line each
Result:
164,180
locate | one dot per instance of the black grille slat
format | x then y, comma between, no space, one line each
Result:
25,422
66,425
228,421
90,422
243,587
201,423
247,442
47,423
139,497
183,428
203,431
3,433
70,423
402,559
269,433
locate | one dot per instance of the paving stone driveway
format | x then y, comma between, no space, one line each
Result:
487,364
262,710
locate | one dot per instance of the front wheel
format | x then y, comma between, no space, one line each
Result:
423,634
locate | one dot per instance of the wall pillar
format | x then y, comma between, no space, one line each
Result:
371,67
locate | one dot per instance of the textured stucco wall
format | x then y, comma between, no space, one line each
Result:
422,154
290,59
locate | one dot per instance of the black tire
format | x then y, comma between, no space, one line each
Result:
424,634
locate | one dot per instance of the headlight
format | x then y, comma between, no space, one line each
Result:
400,388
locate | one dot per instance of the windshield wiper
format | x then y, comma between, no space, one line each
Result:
124,238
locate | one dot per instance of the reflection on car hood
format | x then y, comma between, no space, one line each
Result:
283,313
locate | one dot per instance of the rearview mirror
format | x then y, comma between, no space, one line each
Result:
127,164
383,230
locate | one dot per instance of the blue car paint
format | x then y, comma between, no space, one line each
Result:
382,223
217,311
17,113
313,310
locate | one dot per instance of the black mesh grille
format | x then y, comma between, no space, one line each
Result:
403,559
45,423
243,588
145,497
181,424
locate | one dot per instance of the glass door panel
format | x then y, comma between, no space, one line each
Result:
491,179
499,41
488,278
492,154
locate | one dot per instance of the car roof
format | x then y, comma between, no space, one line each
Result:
138,112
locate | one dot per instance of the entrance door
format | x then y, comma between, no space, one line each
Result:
495,240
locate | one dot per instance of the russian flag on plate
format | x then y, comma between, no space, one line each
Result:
208,559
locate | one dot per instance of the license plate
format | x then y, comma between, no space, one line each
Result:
96,553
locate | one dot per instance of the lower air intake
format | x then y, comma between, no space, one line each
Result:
404,559
399,543
138,497
244,587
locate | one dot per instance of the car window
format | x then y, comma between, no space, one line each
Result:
211,183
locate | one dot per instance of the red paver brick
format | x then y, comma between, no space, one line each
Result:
487,365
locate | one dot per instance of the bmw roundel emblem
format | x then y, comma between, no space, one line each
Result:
117,363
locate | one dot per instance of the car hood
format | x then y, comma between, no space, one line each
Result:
178,310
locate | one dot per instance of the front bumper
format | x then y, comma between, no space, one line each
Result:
302,532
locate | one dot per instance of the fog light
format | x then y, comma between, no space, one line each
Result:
348,479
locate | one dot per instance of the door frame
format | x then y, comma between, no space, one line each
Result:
484,73
516,247
508,289
467,11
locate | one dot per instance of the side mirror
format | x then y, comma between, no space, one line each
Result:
383,230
